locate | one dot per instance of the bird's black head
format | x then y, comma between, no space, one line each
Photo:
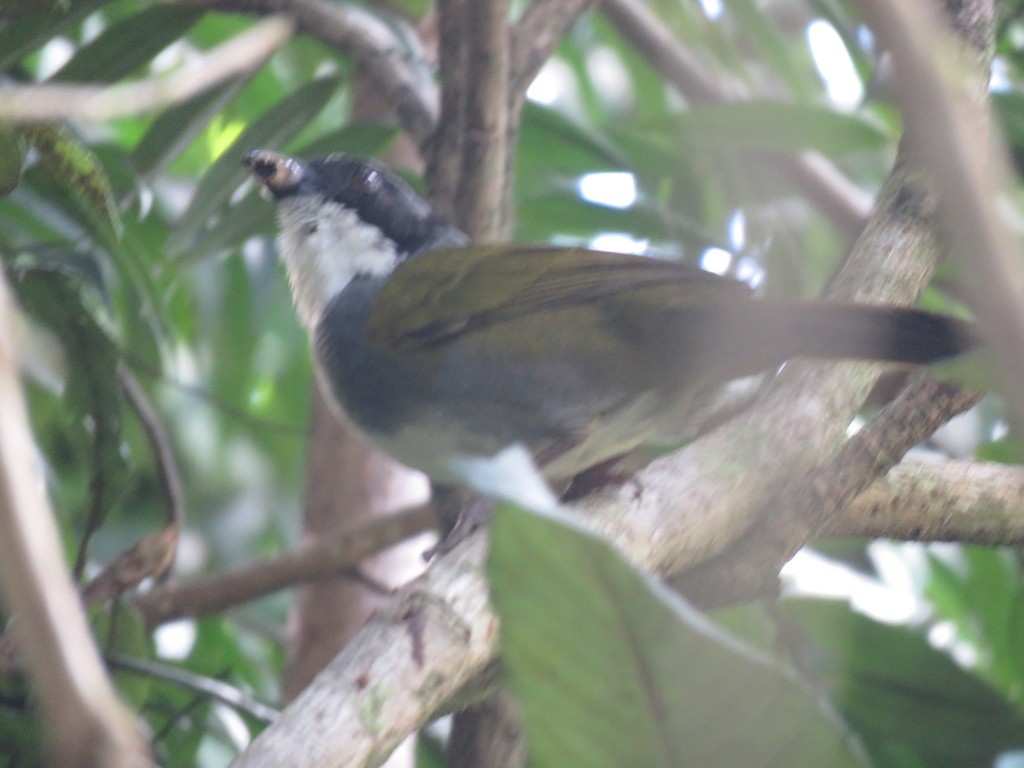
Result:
373,192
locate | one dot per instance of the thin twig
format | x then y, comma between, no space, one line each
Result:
209,687
227,408
167,466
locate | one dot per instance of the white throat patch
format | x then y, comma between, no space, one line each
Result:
325,245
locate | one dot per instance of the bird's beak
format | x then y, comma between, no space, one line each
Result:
277,174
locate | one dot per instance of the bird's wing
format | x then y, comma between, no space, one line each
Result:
435,297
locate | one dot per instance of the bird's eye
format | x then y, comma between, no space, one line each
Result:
367,180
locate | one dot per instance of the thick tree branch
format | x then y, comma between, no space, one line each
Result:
749,568
444,160
961,501
434,637
479,204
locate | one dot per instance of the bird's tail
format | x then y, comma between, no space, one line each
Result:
858,331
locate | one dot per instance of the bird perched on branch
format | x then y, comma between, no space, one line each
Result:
437,350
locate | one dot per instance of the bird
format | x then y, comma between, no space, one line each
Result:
437,350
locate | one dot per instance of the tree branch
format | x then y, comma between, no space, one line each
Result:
86,724
207,687
482,182
57,102
749,568
323,559
402,75
944,122
444,160
431,639
536,36
963,501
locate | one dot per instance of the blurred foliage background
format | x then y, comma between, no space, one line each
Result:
139,245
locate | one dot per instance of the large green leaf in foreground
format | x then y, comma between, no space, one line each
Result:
612,670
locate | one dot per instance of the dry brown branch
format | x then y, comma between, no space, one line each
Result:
57,102
86,725
322,559
151,557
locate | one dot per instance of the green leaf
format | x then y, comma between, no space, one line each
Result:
978,588
92,393
429,752
175,128
121,630
900,692
613,670
772,48
775,126
563,213
76,168
273,128
581,148
126,45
